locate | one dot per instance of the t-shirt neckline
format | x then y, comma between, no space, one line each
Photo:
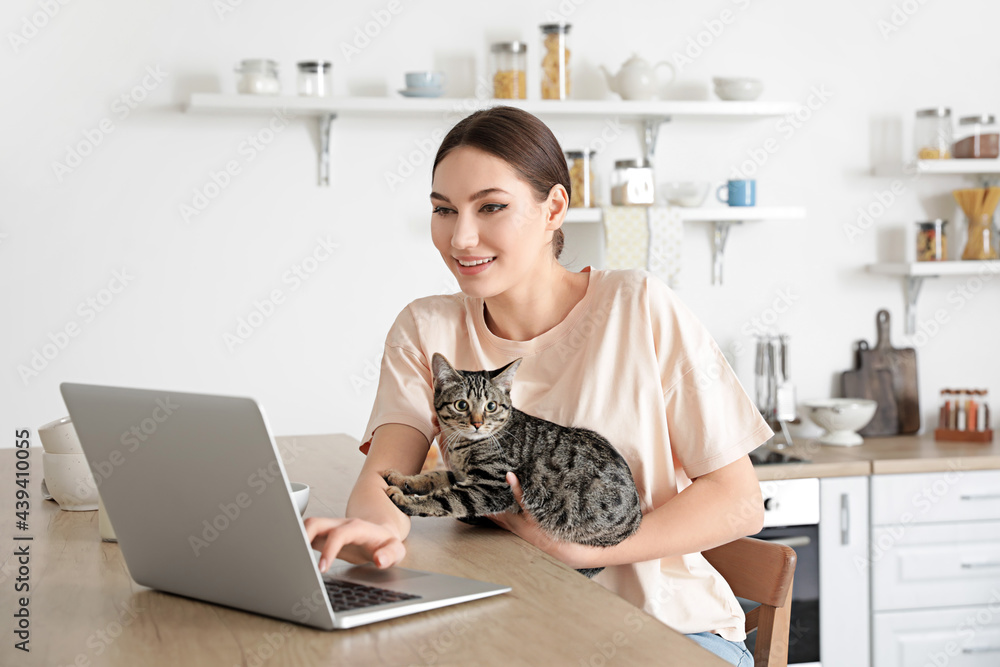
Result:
542,341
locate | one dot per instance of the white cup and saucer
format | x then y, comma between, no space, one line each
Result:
423,84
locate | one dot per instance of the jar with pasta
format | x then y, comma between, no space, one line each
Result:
581,179
932,134
555,61
509,66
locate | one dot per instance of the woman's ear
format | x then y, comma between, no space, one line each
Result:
556,206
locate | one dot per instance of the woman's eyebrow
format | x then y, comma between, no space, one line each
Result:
474,197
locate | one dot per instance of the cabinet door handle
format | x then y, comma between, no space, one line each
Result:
845,520
980,496
973,566
981,649
792,541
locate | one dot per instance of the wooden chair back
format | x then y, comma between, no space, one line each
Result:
761,571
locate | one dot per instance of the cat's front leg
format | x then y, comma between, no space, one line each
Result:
420,484
455,501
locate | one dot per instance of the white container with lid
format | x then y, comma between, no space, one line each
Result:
932,134
314,78
978,137
632,183
509,70
258,76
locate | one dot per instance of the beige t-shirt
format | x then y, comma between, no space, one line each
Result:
629,361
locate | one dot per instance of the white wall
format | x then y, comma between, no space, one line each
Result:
64,239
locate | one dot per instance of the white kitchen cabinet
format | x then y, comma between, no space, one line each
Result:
843,580
935,569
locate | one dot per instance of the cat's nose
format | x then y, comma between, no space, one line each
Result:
476,423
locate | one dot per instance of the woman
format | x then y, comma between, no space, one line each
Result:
614,351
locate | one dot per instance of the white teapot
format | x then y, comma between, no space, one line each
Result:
637,79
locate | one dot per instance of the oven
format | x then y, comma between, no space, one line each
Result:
791,517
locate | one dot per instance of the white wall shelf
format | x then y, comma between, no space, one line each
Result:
966,167
722,218
915,272
650,114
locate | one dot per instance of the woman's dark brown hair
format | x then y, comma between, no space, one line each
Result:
520,140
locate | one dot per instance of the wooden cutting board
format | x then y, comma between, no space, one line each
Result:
867,381
902,365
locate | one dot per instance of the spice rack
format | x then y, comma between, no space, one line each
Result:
648,115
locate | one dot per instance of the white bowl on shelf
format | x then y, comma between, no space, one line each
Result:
688,194
842,418
738,89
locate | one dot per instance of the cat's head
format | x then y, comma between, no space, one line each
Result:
473,403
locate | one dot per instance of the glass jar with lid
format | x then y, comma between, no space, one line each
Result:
978,137
314,77
932,241
555,61
632,183
581,178
509,67
932,134
258,76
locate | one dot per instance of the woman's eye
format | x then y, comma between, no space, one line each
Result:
441,210
461,405
493,208
491,406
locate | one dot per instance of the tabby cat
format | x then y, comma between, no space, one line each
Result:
574,483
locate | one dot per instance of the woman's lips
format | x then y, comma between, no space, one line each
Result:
477,268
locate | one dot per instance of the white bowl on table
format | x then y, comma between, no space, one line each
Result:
738,89
842,418
688,194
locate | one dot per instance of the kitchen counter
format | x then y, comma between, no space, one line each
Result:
883,456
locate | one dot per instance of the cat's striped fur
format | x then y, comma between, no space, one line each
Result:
575,484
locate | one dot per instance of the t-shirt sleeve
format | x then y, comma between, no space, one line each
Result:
405,393
711,421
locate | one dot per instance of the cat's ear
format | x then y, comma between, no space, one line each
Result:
504,377
442,371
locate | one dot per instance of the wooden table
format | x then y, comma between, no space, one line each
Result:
86,610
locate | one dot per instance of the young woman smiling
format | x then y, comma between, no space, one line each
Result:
613,351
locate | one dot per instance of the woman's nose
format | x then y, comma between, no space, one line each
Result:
465,234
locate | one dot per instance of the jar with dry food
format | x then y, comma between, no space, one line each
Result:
581,178
632,183
932,241
978,137
509,66
555,61
932,134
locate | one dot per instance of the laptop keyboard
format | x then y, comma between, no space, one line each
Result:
346,595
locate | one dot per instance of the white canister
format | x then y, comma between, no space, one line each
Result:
258,76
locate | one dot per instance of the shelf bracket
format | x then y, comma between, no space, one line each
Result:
720,234
651,129
325,121
913,285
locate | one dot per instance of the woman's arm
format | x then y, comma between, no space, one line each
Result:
374,528
715,509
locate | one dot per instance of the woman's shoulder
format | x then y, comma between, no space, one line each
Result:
638,286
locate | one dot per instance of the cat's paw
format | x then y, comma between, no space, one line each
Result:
394,478
397,496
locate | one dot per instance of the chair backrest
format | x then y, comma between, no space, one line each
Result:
761,571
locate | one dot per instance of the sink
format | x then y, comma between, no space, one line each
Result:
764,456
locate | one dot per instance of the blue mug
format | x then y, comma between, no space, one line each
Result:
738,193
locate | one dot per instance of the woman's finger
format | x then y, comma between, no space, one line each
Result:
515,487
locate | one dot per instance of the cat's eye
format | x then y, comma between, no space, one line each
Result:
491,406
461,405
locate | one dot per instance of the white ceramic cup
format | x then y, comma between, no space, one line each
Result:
300,494
59,437
69,481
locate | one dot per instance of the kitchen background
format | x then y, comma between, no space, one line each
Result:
167,286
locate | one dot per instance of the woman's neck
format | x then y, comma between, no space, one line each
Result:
534,306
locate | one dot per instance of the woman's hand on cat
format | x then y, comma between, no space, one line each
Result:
354,540
522,524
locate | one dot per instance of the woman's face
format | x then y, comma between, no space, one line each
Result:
487,224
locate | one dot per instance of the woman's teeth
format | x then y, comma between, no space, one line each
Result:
477,262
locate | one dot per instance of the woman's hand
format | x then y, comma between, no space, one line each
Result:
523,525
354,540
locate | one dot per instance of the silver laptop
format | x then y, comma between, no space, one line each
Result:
202,507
